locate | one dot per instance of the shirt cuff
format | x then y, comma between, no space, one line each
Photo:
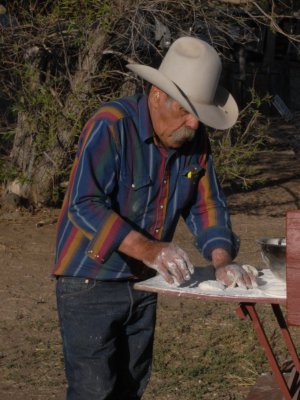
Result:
218,237
108,239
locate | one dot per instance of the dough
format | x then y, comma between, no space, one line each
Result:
211,285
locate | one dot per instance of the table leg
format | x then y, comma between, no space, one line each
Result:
286,335
245,309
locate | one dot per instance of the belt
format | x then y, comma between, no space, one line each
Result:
88,280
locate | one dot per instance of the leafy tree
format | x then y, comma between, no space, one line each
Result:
60,59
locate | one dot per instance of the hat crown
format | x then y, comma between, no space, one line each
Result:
195,67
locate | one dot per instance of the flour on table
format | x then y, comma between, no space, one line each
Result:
203,282
267,285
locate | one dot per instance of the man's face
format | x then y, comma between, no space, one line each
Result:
172,124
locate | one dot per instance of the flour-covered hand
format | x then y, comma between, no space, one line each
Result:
233,275
171,262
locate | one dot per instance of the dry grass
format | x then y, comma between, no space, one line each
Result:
202,349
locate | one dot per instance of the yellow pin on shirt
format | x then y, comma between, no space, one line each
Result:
192,174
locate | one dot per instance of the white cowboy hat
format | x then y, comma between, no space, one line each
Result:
189,73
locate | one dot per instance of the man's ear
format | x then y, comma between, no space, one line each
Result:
155,96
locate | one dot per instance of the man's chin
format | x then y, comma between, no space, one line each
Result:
178,143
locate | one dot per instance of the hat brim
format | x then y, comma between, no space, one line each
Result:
222,114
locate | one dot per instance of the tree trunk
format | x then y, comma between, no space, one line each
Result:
41,172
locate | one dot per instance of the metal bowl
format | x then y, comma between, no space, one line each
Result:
273,251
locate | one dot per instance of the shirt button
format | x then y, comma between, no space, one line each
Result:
156,230
133,185
165,181
161,206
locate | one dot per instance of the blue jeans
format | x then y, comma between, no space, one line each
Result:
107,330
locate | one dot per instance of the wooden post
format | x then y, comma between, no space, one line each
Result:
293,267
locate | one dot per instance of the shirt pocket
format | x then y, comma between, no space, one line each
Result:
137,195
188,184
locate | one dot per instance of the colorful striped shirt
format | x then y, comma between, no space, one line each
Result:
122,181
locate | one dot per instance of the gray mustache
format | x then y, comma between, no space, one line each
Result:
183,133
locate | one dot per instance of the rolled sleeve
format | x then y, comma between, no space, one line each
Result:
108,239
218,237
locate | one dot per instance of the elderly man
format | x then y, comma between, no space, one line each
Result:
142,162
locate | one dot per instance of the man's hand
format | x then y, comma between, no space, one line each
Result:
233,275
170,261
166,258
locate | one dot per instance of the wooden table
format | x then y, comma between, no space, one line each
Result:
247,300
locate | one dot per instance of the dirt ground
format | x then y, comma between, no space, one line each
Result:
31,365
